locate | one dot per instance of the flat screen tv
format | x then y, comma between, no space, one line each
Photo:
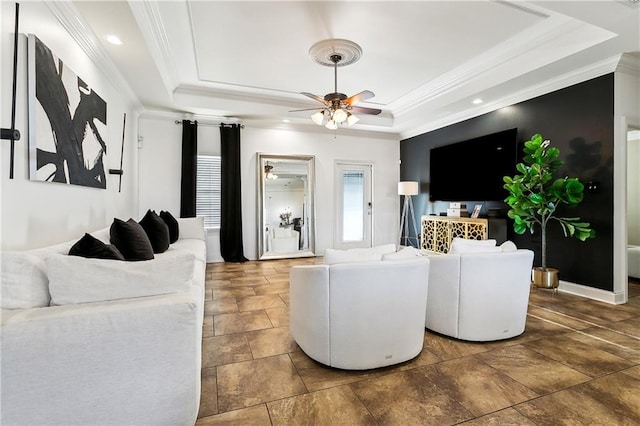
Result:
472,170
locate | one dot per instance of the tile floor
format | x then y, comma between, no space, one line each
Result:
578,362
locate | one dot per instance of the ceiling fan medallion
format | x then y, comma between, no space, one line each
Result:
322,51
337,107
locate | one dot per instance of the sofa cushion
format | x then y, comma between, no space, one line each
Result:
461,245
403,253
80,280
131,239
24,282
91,247
192,227
333,256
157,231
172,224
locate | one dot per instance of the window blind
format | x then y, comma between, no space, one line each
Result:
208,190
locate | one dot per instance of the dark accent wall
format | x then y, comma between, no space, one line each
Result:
578,120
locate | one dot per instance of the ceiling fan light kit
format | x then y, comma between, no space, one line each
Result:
268,172
337,107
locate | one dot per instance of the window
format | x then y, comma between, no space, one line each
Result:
208,190
353,205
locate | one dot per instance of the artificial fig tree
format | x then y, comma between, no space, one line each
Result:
535,195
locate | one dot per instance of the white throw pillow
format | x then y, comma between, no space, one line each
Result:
508,246
24,282
333,256
461,245
191,227
403,253
74,279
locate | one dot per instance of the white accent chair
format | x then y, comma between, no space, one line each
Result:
479,296
360,315
283,239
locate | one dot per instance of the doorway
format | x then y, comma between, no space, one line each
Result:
354,205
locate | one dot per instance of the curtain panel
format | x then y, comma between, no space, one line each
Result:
189,168
231,246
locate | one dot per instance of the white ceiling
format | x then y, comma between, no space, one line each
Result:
425,60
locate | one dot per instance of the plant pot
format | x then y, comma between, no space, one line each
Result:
545,277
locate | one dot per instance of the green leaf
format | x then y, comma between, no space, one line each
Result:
537,138
519,228
536,198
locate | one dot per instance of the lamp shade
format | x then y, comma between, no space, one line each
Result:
318,118
331,125
408,188
339,115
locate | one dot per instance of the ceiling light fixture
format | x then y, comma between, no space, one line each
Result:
337,107
114,39
318,118
268,172
352,119
477,101
337,110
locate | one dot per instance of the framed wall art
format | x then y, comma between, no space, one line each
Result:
67,122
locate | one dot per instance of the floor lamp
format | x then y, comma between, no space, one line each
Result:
407,188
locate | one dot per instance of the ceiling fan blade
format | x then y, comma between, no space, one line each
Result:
307,109
362,96
364,110
314,97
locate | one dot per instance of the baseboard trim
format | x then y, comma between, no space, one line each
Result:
592,293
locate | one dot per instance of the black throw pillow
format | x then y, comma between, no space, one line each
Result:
91,247
131,239
157,231
172,223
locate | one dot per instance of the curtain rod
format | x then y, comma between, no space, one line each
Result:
210,124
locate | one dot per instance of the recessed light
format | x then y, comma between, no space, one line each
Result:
113,39
286,121
477,101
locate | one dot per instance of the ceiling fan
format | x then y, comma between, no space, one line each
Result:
337,107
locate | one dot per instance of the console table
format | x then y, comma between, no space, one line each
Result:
437,232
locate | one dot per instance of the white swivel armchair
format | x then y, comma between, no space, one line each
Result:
479,296
283,240
359,315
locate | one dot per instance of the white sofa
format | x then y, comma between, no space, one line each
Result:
479,296
120,343
283,240
359,315
633,261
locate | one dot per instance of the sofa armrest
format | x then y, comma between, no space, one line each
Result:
191,227
309,309
101,363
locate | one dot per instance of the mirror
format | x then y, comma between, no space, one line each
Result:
286,211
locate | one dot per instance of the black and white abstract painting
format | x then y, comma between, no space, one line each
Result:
67,122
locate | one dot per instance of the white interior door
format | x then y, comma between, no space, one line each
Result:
354,206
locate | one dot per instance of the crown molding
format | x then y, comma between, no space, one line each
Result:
629,64
305,126
147,15
510,59
70,19
580,75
